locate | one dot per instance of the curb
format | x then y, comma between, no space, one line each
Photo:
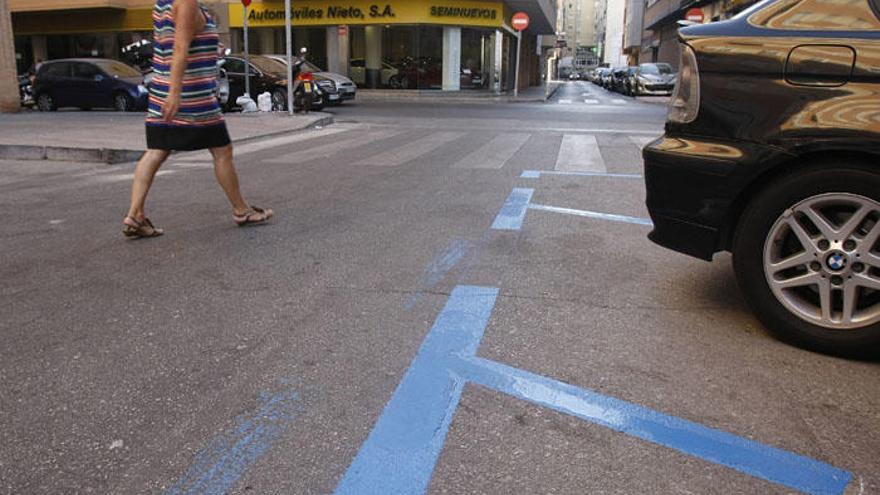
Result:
113,156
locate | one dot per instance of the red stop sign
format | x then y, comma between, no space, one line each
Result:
246,3
694,15
520,21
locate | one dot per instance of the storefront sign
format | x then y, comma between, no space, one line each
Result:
360,12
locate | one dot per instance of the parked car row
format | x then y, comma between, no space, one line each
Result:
636,80
89,83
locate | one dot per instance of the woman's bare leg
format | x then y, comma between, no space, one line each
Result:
224,169
144,173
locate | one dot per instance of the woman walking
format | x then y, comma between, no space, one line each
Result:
183,113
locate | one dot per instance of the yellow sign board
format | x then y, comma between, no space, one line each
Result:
360,12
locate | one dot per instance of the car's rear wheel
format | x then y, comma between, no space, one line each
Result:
806,257
45,103
122,102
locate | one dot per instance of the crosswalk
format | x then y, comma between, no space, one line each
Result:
396,146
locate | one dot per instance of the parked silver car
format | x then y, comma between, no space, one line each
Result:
337,87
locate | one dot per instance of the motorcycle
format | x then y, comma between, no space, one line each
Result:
26,91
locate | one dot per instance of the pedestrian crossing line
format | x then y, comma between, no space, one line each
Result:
411,151
495,153
580,153
565,101
264,144
329,149
618,101
591,101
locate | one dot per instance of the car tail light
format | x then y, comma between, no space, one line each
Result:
685,102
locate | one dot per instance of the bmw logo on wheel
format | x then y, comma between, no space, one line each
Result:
836,261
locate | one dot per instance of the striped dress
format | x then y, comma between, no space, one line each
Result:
199,123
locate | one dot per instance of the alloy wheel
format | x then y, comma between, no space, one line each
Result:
120,102
45,103
821,260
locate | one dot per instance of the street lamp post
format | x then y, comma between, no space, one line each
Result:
289,45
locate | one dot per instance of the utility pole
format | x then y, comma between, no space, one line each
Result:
10,101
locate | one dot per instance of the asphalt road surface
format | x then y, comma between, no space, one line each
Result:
452,299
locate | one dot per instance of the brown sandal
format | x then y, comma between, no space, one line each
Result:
253,216
138,230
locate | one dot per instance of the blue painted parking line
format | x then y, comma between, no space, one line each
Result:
513,212
401,452
218,466
440,267
593,214
399,455
536,174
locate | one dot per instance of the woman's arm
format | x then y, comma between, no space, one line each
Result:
188,20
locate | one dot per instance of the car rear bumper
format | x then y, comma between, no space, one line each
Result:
692,185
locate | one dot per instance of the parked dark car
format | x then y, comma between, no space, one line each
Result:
618,79
603,76
89,83
651,79
267,75
772,152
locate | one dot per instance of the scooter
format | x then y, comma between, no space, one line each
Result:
306,94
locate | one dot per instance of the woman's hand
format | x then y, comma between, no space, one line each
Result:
171,106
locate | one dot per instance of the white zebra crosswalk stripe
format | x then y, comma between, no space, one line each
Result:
410,151
494,153
564,101
591,101
262,145
580,153
618,101
328,149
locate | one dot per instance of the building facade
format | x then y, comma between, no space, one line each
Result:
660,36
615,12
396,44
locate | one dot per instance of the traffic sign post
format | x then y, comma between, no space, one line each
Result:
519,22
289,47
247,58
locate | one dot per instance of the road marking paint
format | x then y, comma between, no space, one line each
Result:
218,466
593,214
263,145
412,150
564,101
642,141
401,452
536,174
591,101
580,153
693,439
494,153
513,212
618,101
106,178
442,264
328,149
56,222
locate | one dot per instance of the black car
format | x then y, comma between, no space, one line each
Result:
89,83
772,152
618,79
267,75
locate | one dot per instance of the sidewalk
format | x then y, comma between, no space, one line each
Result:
534,94
112,137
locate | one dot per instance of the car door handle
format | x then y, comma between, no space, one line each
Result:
820,65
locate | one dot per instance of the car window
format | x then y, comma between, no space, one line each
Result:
82,70
656,69
58,69
832,15
117,69
234,65
268,65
